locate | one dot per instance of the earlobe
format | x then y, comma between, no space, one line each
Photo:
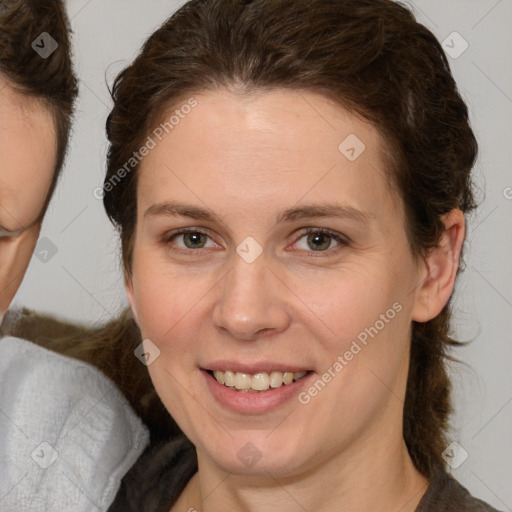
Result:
441,265
128,286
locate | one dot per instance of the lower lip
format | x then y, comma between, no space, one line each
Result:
254,403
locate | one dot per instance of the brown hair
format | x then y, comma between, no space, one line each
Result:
373,58
52,79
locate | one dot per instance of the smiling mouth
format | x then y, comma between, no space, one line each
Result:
258,382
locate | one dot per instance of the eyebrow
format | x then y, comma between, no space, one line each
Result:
175,208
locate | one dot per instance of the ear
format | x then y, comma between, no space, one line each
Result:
128,286
440,269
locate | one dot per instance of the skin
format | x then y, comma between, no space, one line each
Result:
29,152
247,158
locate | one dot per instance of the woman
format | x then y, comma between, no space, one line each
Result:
290,180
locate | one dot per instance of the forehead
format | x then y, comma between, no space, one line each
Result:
28,149
256,148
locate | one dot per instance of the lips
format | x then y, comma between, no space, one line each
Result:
251,401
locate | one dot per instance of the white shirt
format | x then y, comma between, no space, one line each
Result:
67,434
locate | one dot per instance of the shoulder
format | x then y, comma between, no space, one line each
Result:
158,477
66,430
445,494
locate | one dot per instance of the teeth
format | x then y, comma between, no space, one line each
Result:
246,382
243,381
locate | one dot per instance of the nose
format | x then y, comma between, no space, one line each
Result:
253,301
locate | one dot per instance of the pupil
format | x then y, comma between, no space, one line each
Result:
196,239
319,237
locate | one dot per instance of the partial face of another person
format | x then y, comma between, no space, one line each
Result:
262,245
28,147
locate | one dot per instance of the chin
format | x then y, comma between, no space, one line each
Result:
256,454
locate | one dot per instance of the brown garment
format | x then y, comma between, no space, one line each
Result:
445,494
158,478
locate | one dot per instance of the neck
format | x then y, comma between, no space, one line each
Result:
370,477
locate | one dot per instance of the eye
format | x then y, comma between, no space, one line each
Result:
5,234
320,240
191,238
317,240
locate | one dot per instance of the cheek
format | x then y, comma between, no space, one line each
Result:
344,301
15,257
167,303
359,319
333,306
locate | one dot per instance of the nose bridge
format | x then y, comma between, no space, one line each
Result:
250,300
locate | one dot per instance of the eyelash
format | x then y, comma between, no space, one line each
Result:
343,241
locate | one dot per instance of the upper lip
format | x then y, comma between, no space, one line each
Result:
252,368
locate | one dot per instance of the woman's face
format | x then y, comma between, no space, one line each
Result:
28,149
247,289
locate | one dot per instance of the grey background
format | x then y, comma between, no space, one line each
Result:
83,281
